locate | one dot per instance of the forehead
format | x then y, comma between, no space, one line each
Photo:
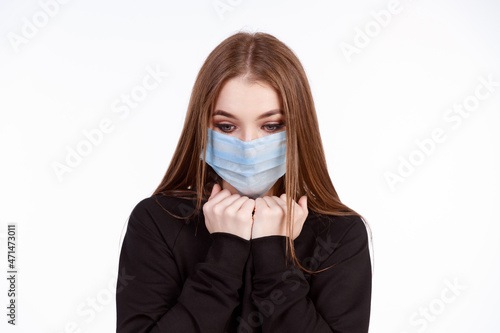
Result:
239,97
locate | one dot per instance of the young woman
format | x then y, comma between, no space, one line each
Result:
246,232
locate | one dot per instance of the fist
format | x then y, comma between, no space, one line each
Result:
270,216
230,213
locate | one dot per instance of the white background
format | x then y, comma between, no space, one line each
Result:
64,70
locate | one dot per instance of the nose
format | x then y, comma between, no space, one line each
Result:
249,135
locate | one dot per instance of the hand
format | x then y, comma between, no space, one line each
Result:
270,216
229,213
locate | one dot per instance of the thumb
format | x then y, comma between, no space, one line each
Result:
215,190
303,202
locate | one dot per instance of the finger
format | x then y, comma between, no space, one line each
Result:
214,191
232,202
282,203
272,202
303,202
248,206
236,204
222,195
302,205
260,203
279,201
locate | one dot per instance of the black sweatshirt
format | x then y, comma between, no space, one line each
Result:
174,276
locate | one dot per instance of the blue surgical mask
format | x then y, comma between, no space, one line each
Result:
251,167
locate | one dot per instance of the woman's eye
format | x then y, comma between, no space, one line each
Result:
224,127
228,128
274,127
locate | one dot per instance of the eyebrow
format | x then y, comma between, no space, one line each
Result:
264,115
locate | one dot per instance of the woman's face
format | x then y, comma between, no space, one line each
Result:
247,111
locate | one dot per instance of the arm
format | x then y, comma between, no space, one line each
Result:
337,300
154,299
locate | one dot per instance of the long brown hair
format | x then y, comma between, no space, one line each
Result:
259,57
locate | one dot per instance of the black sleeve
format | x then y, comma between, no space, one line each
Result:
152,297
336,300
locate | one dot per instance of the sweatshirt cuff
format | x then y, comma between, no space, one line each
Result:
269,254
228,251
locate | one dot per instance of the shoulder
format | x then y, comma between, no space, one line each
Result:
335,225
341,234
162,216
159,205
